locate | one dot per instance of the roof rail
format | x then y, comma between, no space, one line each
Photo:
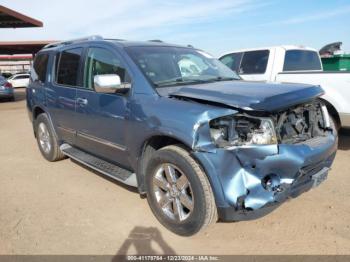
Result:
114,39
68,42
156,40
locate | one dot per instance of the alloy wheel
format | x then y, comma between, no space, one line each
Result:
44,138
173,192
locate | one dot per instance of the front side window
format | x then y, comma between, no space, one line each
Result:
300,60
254,62
167,66
233,61
68,67
38,72
101,61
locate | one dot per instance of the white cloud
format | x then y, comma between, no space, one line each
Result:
120,19
311,17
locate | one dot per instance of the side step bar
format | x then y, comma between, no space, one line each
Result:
102,166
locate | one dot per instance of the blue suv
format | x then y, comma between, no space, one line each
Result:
180,126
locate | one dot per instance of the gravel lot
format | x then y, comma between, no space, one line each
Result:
65,208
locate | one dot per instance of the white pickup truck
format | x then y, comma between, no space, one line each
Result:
294,64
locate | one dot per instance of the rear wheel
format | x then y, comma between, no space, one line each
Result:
178,191
46,139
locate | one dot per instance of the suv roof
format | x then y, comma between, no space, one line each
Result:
119,42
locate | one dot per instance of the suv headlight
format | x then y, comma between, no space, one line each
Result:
241,130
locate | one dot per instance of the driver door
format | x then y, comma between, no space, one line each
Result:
101,117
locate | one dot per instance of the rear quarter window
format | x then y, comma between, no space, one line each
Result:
39,69
301,60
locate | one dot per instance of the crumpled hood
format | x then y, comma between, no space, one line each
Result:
258,96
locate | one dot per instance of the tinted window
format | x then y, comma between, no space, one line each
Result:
38,72
21,77
254,62
299,60
68,67
232,61
101,62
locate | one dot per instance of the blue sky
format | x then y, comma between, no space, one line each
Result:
215,26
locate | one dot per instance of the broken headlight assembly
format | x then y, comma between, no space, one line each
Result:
239,130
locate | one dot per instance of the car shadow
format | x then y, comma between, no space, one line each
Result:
344,139
144,240
127,187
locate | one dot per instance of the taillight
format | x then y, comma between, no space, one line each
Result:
7,85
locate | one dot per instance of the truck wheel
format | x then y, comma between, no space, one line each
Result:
46,139
179,192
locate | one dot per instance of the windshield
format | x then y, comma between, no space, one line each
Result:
169,66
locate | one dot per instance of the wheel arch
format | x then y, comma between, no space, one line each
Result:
149,146
37,110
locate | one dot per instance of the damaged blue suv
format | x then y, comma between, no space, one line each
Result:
180,126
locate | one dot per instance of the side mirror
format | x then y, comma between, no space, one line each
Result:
108,83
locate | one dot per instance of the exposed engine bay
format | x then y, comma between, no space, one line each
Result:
302,122
294,125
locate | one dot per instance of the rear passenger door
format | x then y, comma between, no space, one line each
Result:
62,94
101,117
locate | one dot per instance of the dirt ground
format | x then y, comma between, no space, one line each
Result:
64,208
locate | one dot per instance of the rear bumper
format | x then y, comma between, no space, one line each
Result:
6,94
241,193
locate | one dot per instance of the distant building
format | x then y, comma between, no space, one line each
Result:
15,63
16,57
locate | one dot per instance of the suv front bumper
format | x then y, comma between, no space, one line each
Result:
239,176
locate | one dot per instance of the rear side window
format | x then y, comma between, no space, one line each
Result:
21,77
301,60
68,67
254,62
39,69
232,61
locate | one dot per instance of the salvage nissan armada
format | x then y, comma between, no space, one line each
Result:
196,140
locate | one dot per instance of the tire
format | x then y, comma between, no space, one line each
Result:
177,213
46,139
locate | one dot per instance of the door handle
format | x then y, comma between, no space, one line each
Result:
82,101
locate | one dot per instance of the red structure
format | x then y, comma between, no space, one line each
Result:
12,19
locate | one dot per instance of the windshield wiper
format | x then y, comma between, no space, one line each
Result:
168,82
181,81
220,78
178,81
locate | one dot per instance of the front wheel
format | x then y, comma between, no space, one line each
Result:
178,191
